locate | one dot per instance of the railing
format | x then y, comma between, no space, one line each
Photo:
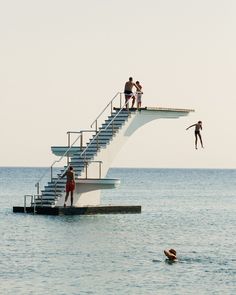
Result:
81,139
37,185
65,154
32,201
111,106
100,168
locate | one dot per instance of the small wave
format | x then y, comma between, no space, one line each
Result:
156,260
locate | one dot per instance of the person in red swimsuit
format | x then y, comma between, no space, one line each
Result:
70,184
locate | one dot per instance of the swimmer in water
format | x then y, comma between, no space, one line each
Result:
171,254
198,127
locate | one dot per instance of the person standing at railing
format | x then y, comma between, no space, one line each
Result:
139,95
70,184
128,91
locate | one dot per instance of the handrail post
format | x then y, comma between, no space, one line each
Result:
37,185
51,173
81,141
68,138
100,169
111,107
68,147
33,198
24,204
120,100
86,169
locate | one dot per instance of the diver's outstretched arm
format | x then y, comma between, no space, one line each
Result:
191,126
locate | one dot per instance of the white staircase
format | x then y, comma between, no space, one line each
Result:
83,157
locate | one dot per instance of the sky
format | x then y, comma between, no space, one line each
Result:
62,61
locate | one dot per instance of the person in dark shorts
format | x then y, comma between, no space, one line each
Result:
198,127
70,184
128,91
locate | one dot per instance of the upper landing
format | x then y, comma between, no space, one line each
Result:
145,115
177,111
162,109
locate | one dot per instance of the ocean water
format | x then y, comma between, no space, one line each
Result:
191,210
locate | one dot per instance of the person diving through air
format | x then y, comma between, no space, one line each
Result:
198,127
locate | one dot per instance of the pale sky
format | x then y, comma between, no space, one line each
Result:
62,61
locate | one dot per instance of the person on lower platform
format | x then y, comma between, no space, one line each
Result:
70,184
171,254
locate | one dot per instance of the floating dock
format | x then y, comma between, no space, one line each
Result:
78,210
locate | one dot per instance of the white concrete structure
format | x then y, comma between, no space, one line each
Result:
92,162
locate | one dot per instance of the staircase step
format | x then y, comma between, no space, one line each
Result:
61,150
109,131
103,133
50,194
101,141
78,162
116,119
106,127
48,198
114,123
121,114
52,188
45,203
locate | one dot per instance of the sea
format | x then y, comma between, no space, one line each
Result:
190,210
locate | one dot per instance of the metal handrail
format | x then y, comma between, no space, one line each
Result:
51,167
86,168
95,137
66,152
25,197
76,132
81,139
110,103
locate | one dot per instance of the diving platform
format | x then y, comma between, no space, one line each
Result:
91,152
